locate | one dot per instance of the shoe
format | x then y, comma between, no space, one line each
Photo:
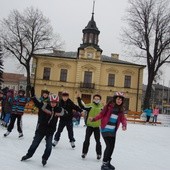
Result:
72,144
105,166
44,162
6,134
83,155
20,135
98,157
25,158
55,143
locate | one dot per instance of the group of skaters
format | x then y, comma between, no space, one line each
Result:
149,112
100,120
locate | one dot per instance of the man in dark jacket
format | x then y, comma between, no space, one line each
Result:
66,120
46,126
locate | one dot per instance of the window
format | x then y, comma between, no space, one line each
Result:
46,74
127,83
111,80
87,77
63,75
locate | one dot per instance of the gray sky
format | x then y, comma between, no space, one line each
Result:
69,17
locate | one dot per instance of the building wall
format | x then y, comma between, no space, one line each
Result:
76,68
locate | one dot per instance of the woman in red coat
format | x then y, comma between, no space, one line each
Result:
111,117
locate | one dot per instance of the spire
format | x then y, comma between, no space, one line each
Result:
92,18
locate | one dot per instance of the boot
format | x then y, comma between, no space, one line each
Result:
20,135
6,134
25,158
98,157
44,161
72,144
105,166
83,155
55,143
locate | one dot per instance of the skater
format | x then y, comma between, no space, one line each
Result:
47,120
111,116
148,112
66,120
45,96
2,98
18,106
8,102
155,114
92,109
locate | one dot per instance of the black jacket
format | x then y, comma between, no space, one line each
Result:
47,117
68,107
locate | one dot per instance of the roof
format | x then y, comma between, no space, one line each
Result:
73,55
13,77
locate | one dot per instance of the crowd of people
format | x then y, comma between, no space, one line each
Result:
99,120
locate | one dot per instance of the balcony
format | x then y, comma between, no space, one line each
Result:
87,85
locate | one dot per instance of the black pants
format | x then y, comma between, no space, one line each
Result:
110,145
12,122
147,118
89,131
35,143
69,126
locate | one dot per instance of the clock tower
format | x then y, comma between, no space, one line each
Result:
89,48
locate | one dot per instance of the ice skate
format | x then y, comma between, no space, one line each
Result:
55,143
72,144
6,134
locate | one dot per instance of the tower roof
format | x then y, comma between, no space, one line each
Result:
91,26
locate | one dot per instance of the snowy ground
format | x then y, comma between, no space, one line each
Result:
141,147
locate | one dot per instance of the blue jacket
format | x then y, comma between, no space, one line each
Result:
148,112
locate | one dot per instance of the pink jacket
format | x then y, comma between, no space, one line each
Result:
105,114
155,111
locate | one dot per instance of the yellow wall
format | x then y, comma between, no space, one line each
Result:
76,68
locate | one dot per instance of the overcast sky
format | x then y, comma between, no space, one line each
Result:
69,17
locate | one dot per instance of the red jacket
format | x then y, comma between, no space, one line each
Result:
105,114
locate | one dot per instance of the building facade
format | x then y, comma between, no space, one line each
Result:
13,81
88,72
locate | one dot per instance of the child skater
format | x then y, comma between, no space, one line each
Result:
111,117
47,120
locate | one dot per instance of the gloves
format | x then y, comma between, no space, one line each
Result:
32,92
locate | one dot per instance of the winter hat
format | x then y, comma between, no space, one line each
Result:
65,93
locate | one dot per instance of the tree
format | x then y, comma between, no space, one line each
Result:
149,32
24,34
1,65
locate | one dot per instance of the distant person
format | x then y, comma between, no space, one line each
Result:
66,121
18,107
92,110
148,112
155,114
47,121
45,96
111,116
8,103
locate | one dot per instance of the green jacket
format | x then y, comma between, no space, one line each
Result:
92,110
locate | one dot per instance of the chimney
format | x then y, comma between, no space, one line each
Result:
115,56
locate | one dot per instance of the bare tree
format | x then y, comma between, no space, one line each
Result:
26,33
148,31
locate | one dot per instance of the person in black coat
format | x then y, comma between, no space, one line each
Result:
47,120
66,120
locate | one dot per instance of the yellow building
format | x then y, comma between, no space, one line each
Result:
88,72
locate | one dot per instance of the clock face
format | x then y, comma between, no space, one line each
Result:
89,55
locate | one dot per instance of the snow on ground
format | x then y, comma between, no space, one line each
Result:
141,147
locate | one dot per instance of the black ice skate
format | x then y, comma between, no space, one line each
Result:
44,162
25,158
